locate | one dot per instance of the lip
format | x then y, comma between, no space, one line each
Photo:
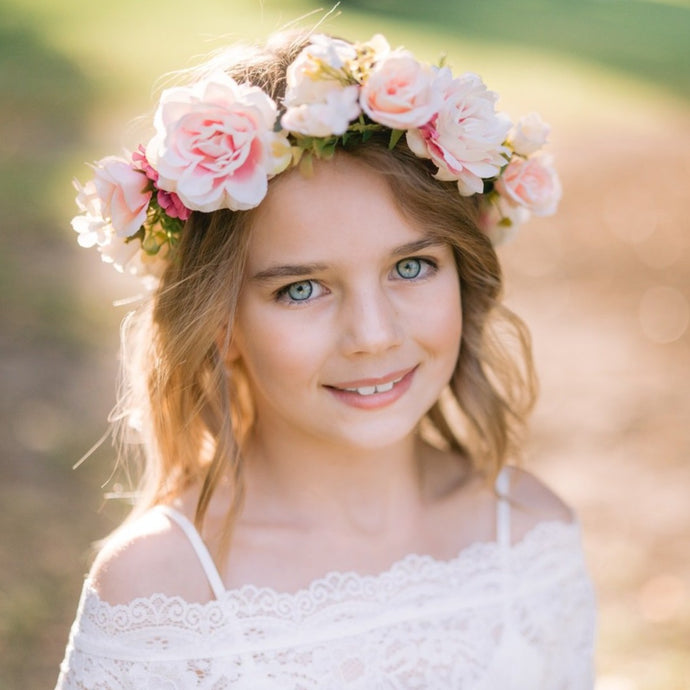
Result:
375,400
362,383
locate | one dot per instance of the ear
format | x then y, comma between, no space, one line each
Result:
227,345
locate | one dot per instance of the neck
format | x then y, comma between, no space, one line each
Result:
311,484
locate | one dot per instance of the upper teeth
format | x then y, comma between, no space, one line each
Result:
370,390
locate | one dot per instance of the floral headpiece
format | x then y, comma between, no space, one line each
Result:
217,143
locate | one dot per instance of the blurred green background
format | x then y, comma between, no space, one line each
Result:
605,286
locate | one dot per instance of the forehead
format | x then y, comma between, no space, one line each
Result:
343,210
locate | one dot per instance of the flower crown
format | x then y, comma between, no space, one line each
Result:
217,143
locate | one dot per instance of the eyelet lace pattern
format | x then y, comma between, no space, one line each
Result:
505,618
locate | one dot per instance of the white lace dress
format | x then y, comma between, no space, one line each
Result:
499,616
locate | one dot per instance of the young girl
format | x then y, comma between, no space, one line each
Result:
327,389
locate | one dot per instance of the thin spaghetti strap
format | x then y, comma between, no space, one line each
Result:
199,547
503,508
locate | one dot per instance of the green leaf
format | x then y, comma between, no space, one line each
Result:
328,149
306,165
151,245
395,138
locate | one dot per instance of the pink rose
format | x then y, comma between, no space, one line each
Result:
122,194
168,201
400,92
529,134
171,204
532,183
465,139
214,144
139,157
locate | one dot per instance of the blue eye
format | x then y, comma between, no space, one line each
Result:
298,292
409,268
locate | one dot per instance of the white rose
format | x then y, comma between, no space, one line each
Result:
379,45
317,70
333,52
529,134
92,227
330,116
121,254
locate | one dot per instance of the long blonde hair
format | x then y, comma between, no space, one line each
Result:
194,410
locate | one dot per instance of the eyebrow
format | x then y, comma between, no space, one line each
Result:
300,270
288,271
418,246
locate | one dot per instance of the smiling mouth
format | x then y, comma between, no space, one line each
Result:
373,386
372,390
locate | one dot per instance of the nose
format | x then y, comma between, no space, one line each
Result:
371,322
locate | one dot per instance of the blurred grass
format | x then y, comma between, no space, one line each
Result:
70,76
645,39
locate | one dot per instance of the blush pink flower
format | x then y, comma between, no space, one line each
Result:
172,205
532,183
465,138
120,193
214,144
401,92
168,201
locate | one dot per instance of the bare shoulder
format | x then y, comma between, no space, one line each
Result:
149,556
532,502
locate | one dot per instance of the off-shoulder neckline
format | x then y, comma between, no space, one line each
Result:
333,580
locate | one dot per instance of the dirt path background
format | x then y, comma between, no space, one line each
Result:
608,301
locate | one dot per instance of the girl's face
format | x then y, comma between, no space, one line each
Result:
349,318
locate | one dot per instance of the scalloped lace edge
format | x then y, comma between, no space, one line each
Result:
411,565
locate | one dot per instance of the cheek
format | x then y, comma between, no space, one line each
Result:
443,321
447,336
276,348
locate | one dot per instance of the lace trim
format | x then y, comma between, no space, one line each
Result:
549,552
422,623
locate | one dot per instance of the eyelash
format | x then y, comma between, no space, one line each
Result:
431,266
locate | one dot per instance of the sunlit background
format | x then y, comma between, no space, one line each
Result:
605,286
